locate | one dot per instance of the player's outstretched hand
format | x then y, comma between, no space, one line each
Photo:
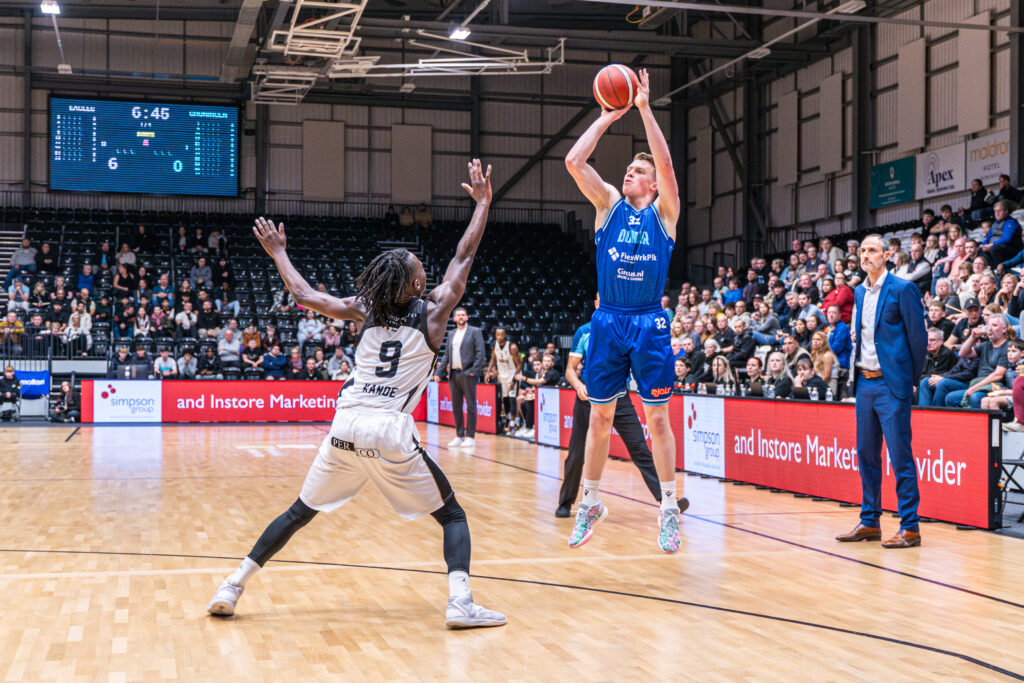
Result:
480,187
270,237
643,92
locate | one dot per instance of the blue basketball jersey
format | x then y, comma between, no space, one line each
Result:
633,253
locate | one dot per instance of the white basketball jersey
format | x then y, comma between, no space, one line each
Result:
393,364
506,366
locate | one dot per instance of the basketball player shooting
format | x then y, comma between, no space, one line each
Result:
635,234
373,435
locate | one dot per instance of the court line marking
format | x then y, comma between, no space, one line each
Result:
72,434
304,565
735,527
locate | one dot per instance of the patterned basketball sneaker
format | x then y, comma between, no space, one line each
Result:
668,537
587,517
225,599
462,612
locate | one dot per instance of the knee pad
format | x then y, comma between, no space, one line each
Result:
449,512
300,513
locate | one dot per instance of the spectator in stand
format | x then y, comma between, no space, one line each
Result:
724,334
829,252
733,293
406,219
188,366
125,282
67,407
121,360
216,243
180,241
932,248
937,319
332,339
722,374
197,243
233,326
939,361
274,363
39,297
334,364
18,296
744,345
310,329
993,363
105,258
295,367
229,349
978,203
184,294
144,362
682,374
321,360
186,321
165,367
10,393
826,364
227,300
124,319
839,341
765,325
842,296
161,323
59,313
163,290
423,218
12,333
1007,293
805,285
142,241
208,321
800,333
1003,240
695,356
23,262
755,287
917,269
806,309
807,377
209,366
142,325
251,333
944,295
252,360
76,337
793,351
928,222
126,257
46,260
777,376
987,289
201,274
311,372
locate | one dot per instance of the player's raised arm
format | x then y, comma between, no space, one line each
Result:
668,188
273,241
447,294
601,194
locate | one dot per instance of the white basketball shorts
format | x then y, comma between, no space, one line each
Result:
378,446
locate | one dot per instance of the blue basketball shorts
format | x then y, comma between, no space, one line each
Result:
620,342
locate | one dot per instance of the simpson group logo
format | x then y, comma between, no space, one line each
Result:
127,401
692,417
704,441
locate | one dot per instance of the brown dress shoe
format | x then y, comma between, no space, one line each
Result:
861,533
904,539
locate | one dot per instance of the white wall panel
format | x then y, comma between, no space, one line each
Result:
723,219
10,161
812,202
285,134
11,45
508,117
285,169
830,126
911,101
780,204
357,173
13,89
842,189
943,102
1002,75
891,36
786,150
809,144
725,178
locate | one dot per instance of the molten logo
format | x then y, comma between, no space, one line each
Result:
692,417
661,391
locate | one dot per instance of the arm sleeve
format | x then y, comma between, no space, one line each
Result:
913,321
478,351
1010,228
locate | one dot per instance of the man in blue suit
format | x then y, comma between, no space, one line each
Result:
888,357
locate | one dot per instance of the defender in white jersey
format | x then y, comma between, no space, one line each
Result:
373,437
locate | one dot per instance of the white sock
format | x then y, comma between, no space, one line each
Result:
668,495
245,571
590,487
458,584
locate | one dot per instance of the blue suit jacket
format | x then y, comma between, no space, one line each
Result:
900,337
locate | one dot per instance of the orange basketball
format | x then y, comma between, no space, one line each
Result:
614,86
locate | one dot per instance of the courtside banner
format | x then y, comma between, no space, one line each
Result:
812,449
704,444
486,406
288,401
548,419
125,401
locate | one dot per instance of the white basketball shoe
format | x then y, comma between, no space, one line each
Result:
462,612
225,599
455,443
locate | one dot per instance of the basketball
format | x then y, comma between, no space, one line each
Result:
614,86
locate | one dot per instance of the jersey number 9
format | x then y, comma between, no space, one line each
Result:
390,352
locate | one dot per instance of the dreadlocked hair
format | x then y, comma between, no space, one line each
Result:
383,283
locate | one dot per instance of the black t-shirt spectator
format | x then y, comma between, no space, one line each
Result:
181,296
964,327
551,378
939,364
46,263
208,321
210,363
725,338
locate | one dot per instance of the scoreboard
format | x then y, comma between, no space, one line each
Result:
147,147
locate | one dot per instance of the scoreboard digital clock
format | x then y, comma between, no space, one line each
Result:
145,147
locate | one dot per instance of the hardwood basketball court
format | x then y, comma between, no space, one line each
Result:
115,538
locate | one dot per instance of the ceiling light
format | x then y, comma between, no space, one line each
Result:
459,33
49,7
851,7
407,88
64,69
